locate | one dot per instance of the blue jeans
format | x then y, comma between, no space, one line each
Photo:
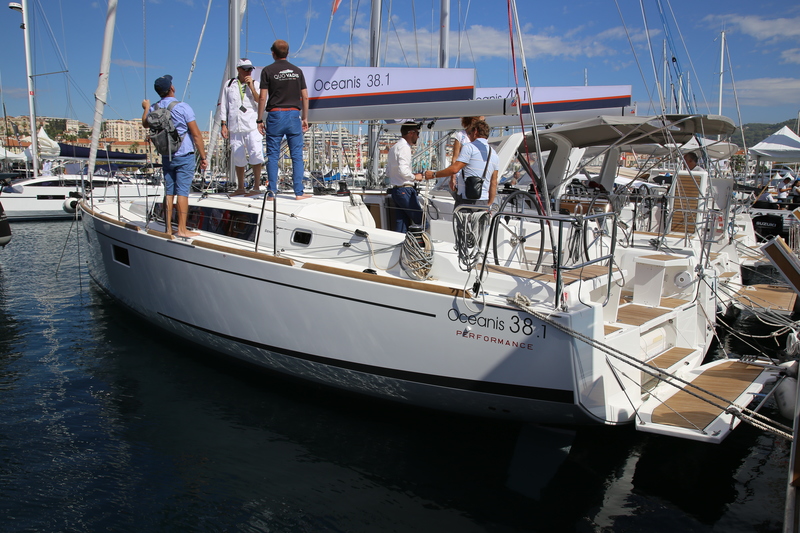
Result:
178,174
407,208
280,124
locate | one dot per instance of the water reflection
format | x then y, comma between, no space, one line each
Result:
112,425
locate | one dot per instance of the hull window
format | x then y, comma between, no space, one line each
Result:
121,255
301,237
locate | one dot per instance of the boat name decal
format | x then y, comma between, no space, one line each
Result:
473,320
523,325
494,340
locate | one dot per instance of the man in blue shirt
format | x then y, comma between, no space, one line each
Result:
473,161
179,169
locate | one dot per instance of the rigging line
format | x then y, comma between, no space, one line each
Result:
308,25
462,30
736,100
269,19
544,203
388,22
399,43
197,51
650,49
636,58
61,58
433,52
63,32
350,57
675,61
414,21
689,57
472,55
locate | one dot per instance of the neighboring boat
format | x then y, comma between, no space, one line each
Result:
56,197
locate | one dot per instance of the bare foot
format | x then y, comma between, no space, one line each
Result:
254,192
238,192
303,197
186,234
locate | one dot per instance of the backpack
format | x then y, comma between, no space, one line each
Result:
163,134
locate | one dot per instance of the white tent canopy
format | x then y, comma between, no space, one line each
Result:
783,145
714,149
5,155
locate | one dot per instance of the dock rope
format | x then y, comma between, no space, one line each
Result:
469,228
743,413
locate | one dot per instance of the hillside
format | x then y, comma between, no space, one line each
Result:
755,132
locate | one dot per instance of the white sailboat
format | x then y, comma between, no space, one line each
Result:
534,316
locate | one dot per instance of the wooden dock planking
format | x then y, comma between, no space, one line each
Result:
727,380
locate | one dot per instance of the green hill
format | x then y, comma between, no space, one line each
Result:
755,132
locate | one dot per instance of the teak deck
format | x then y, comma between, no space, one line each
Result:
636,315
727,380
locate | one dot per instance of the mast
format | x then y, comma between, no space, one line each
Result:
102,85
234,34
444,62
23,8
444,34
721,69
375,49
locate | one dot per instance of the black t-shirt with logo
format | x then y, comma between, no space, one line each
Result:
284,83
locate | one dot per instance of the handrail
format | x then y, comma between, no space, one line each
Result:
558,267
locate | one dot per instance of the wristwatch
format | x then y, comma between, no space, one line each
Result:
259,121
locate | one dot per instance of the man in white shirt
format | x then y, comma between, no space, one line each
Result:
238,115
402,178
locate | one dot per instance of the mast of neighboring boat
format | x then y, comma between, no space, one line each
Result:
102,89
23,8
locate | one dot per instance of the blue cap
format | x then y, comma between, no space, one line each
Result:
163,84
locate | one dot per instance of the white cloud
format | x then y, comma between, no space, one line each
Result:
15,92
765,92
127,63
791,56
770,31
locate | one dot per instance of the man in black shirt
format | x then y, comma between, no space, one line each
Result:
284,96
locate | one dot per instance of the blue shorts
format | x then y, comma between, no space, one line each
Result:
178,174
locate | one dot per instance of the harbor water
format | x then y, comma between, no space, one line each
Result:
107,424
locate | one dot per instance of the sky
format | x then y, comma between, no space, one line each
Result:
602,42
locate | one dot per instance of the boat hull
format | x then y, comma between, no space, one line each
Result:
406,345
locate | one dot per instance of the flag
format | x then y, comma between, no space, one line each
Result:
335,6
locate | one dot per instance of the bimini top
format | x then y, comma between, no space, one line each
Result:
611,130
